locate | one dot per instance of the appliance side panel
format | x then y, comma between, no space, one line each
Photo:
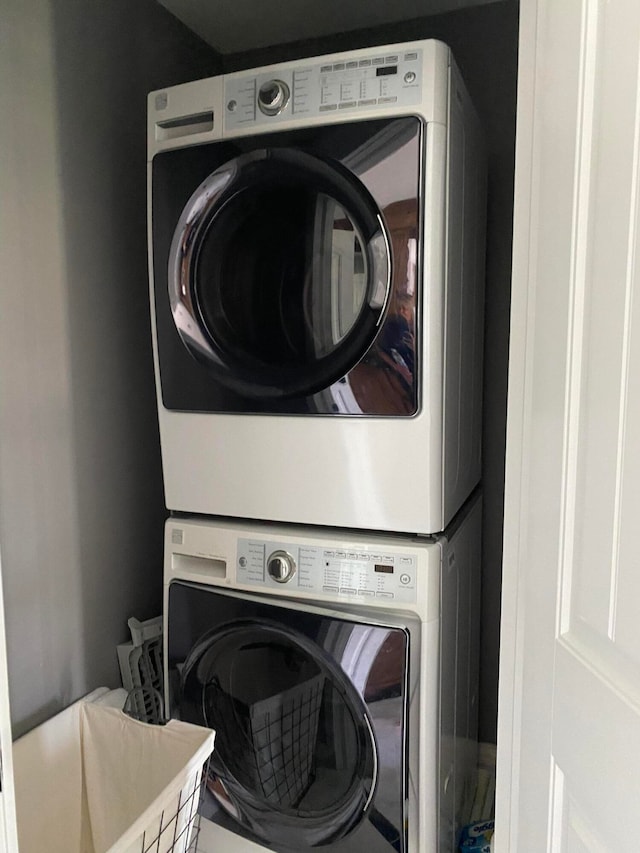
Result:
448,689
432,368
464,299
459,674
423,718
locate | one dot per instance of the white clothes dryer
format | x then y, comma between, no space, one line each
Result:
317,259
339,671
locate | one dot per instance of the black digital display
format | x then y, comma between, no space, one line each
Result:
388,69
387,570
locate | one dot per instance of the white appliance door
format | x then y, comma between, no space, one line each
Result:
8,825
569,718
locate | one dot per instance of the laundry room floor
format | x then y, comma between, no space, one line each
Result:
214,839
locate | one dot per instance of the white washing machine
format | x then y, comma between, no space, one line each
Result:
339,671
317,257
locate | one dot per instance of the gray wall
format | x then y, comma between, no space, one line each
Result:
81,504
484,43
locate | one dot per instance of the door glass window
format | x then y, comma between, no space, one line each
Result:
309,712
290,733
279,272
281,278
292,265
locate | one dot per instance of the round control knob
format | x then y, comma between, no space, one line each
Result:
281,566
273,97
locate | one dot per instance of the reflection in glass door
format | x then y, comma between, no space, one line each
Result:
310,715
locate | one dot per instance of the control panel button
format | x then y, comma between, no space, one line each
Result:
273,97
410,77
405,579
281,566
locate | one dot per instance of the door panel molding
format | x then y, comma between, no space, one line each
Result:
569,711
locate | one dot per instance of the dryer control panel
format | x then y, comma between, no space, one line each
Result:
323,89
368,574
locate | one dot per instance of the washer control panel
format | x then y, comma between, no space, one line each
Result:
368,574
323,89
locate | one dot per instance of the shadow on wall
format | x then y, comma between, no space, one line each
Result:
82,539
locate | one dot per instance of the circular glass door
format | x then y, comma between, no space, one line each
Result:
295,755
279,273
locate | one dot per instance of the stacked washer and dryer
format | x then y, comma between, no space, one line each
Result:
317,260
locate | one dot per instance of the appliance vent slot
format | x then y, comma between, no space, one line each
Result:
174,128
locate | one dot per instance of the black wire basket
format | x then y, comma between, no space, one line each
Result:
176,828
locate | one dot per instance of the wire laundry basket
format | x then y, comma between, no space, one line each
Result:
176,827
119,785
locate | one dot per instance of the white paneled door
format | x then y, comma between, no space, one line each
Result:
569,717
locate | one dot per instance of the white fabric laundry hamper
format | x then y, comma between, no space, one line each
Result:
94,780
